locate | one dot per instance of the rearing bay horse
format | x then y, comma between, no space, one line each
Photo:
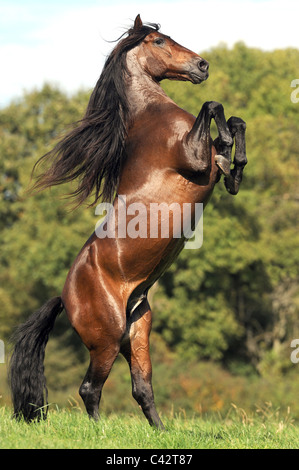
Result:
133,142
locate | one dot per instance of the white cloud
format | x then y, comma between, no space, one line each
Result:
70,49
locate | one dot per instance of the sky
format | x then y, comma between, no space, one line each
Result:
65,42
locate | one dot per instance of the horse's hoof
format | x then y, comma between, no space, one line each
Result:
223,164
231,185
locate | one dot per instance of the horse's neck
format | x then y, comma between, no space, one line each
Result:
142,89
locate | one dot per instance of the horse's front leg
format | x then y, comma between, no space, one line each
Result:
198,141
198,144
237,129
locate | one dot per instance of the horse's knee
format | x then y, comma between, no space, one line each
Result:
236,124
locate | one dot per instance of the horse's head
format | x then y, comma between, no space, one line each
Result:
161,57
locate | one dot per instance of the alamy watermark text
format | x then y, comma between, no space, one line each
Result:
2,352
295,93
155,220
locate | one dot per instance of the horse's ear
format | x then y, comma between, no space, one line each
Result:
137,23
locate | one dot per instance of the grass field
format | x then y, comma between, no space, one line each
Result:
71,429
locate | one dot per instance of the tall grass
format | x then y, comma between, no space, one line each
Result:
71,429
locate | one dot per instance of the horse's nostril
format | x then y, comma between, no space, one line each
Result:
203,65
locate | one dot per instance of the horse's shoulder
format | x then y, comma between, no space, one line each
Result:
180,117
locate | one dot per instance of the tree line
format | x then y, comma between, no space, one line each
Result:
235,300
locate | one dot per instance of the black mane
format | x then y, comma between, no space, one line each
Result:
94,151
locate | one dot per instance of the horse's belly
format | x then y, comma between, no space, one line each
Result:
168,257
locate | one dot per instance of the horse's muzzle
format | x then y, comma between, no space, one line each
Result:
198,72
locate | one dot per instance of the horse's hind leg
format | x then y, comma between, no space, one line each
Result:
101,329
135,349
101,362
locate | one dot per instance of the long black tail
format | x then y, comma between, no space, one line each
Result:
26,368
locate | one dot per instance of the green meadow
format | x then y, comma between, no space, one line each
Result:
71,429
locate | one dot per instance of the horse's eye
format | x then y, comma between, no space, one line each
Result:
159,41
